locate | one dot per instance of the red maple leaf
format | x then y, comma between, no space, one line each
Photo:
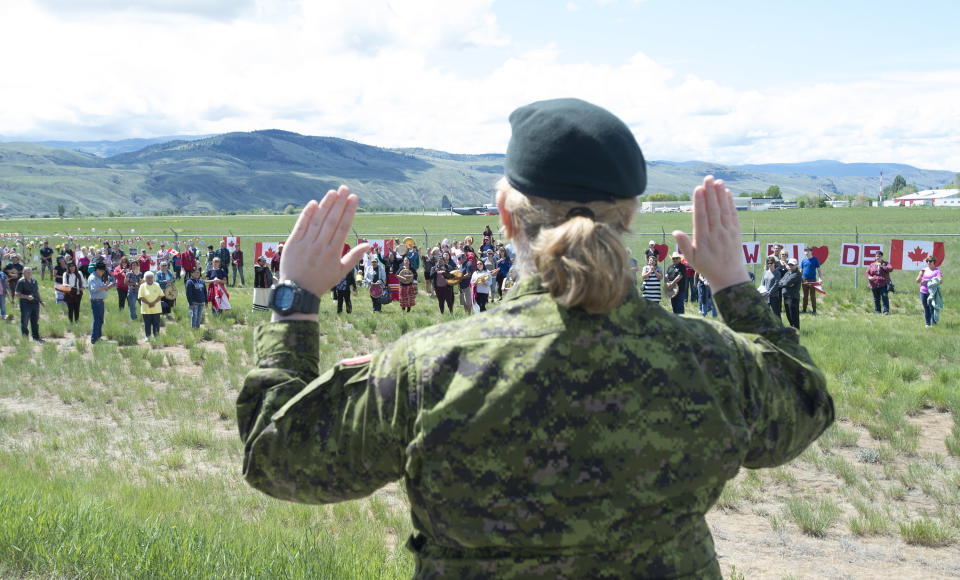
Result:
270,253
917,255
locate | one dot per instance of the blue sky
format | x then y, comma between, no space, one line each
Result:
730,82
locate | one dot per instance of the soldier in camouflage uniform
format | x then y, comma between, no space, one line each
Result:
563,436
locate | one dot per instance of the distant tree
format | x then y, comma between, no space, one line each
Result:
860,200
894,188
662,197
445,202
773,192
290,209
61,210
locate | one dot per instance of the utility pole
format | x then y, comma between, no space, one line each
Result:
880,195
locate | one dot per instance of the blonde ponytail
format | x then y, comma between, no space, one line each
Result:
576,247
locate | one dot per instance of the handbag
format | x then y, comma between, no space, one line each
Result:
385,297
891,288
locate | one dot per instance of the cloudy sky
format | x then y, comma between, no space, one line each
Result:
736,81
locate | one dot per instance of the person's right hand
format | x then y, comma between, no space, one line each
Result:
715,248
311,255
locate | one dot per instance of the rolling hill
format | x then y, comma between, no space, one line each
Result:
272,169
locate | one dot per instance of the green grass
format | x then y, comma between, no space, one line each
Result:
927,532
813,517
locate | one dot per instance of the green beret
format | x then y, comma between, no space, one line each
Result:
571,150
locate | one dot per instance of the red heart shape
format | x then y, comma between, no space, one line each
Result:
820,252
661,251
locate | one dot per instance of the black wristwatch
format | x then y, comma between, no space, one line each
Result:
287,298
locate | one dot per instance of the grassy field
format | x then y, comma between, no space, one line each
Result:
122,460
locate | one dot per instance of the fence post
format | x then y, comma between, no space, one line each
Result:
856,271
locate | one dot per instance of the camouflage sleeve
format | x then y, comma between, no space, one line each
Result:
788,405
323,439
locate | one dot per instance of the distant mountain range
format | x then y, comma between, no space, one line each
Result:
272,169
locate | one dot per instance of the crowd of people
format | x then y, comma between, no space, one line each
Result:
146,284
480,275
450,271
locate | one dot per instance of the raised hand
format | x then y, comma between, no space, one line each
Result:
311,255
715,248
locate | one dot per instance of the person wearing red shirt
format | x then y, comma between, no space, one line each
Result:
188,262
144,261
120,274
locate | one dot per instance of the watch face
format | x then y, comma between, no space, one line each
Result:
283,297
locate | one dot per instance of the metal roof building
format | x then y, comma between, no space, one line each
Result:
937,197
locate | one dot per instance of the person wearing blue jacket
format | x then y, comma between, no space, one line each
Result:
196,297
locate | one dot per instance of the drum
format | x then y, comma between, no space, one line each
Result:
376,290
171,292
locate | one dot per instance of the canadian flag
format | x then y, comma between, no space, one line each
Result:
382,247
265,249
912,254
232,242
818,286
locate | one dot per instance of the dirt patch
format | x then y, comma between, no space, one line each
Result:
935,427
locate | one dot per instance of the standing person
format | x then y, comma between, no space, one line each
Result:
150,296
790,285
705,300
217,287
408,285
262,281
224,254
691,275
28,291
144,263
343,290
99,284
770,284
810,269
73,292
46,260
211,254
482,282
120,276
375,278
466,271
188,263
275,261
132,280
196,297
58,271
677,283
14,271
441,282
930,273
165,279
176,258
878,276
444,404
651,277
4,290
651,251
504,263
163,254
429,268
236,265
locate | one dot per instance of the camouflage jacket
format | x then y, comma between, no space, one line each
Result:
544,442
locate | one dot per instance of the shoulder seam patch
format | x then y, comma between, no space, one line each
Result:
357,360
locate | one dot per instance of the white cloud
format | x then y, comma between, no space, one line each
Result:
326,68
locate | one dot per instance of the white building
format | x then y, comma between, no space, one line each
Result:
937,197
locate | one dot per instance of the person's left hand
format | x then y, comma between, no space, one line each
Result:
311,255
